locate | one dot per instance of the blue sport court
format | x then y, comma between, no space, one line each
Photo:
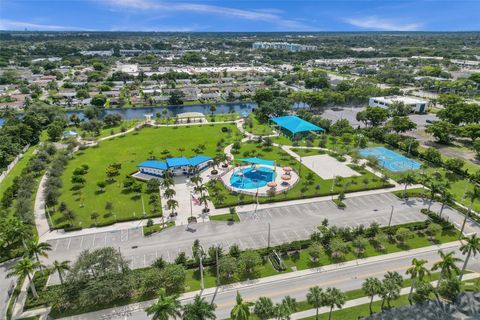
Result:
391,160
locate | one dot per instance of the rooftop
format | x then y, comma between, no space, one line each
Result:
295,124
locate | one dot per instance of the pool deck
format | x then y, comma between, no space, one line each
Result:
262,191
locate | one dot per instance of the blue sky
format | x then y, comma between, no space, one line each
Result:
244,15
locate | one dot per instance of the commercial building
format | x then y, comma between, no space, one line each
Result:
293,47
417,105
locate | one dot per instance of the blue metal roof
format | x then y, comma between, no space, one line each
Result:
154,164
195,161
177,162
70,133
256,160
295,124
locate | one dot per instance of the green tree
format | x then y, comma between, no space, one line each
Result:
442,131
470,245
417,272
401,124
374,116
241,310
165,308
372,287
391,285
55,131
315,297
334,298
472,195
99,100
445,197
407,179
263,308
25,268
447,265
36,250
227,267
199,310
60,267
248,261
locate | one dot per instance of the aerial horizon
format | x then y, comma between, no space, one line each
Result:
239,16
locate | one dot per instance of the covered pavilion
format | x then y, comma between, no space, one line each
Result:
295,125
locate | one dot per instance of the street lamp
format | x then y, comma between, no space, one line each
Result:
390,220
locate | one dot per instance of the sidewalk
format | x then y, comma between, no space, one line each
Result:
363,300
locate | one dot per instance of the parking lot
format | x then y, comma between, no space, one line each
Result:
286,223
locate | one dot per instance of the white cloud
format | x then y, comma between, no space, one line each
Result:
267,15
375,23
6,24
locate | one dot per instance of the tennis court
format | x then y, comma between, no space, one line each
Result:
390,160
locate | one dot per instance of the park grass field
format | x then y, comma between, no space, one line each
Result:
309,185
129,151
17,170
257,128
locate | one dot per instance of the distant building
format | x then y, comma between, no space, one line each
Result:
101,53
417,105
293,47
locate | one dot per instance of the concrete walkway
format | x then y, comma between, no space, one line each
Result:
363,300
41,220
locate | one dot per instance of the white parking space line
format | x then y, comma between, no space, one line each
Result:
69,242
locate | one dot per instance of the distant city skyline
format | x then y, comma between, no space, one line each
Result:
234,15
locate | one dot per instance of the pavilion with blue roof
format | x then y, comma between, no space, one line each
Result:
176,166
295,125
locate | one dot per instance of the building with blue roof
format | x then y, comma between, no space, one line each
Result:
176,166
295,125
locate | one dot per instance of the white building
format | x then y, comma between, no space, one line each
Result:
293,47
417,104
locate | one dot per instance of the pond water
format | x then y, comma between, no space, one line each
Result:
139,112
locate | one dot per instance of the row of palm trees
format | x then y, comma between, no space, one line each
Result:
201,189
442,190
30,263
388,289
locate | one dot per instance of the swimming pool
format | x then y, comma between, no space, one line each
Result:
391,160
251,177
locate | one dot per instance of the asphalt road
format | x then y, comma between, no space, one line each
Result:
344,278
7,286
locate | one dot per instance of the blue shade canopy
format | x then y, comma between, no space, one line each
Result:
295,124
258,161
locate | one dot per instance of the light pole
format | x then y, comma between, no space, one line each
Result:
268,242
390,220
218,267
202,285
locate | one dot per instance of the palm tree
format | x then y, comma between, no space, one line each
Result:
447,265
445,197
196,179
408,179
204,199
166,307
471,245
241,311
263,308
201,189
315,297
166,183
37,250
416,271
172,205
434,189
25,268
199,310
473,195
372,287
169,193
60,267
334,298
391,285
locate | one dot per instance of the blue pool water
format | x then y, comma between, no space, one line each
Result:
252,178
391,160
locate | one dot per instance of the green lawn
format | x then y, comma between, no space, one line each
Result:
87,135
255,127
17,170
305,188
157,228
129,151
225,217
